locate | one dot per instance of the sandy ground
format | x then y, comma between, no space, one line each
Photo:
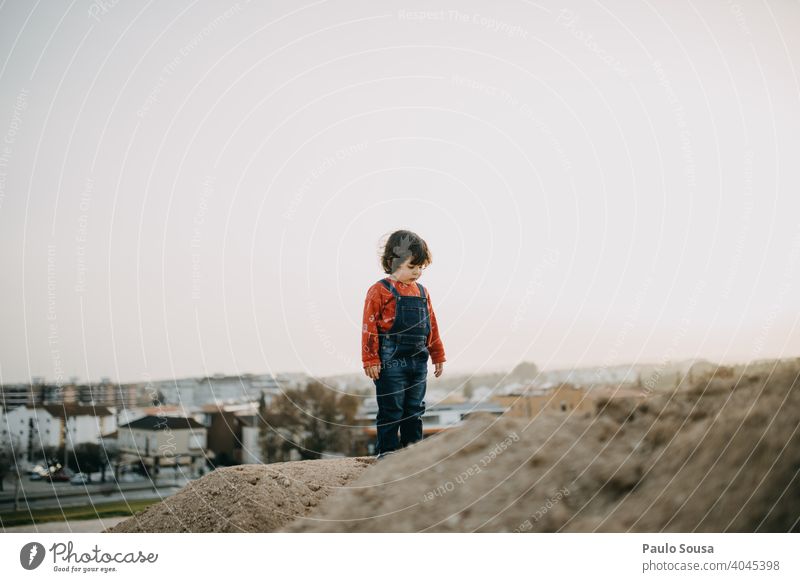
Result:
248,498
721,455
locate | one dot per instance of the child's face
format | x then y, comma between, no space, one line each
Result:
408,273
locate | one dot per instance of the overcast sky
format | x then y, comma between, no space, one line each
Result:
191,188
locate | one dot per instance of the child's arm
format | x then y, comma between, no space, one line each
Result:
369,329
435,346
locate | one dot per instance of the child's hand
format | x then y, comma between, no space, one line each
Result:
373,371
438,368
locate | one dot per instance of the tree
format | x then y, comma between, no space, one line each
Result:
311,420
7,463
329,418
278,422
525,372
9,466
110,454
87,458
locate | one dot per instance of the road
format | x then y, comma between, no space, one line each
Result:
43,495
81,526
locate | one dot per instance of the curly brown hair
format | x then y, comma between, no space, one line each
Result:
399,246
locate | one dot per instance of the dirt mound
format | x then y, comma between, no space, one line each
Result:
247,498
722,454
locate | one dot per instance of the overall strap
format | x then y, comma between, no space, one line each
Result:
391,288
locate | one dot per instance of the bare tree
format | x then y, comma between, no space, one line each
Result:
311,420
9,465
525,372
6,463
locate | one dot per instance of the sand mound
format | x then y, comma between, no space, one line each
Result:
720,455
247,498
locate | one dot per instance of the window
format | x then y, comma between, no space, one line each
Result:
196,441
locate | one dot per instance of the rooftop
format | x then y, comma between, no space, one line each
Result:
161,422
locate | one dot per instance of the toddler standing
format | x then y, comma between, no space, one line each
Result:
399,334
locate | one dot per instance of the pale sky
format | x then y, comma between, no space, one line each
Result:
192,188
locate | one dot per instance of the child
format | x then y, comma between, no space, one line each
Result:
399,333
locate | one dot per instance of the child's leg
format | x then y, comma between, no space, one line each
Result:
414,401
389,391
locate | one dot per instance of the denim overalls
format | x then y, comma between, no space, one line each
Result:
400,387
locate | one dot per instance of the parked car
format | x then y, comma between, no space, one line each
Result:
79,479
62,475
36,473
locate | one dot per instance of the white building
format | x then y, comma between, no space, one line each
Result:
163,441
33,428
219,388
127,415
251,449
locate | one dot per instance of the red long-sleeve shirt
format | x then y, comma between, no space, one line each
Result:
379,311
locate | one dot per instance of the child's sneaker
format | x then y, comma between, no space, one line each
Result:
385,454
